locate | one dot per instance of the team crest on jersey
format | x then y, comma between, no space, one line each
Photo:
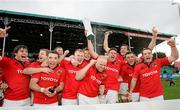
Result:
116,62
103,75
59,72
154,64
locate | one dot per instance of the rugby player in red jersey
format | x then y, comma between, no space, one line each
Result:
46,86
127,71
40,65
113,77
18,92
91,77
148,74
76,62
124,47
87,56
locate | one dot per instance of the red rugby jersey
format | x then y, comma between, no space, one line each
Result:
127,72
89,85
47,80
71,84
149,77
17,81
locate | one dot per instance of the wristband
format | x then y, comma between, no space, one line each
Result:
42,90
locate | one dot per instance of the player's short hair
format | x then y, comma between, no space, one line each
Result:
129,52
112,49
46,50
18,47
78,50
53,51
57,48
124,45
102,57
146,49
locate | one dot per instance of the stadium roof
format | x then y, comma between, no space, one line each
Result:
33,31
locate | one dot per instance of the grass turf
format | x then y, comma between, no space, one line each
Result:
171,92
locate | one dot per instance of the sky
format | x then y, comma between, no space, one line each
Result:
139,14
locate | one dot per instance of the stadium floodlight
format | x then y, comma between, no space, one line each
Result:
176,2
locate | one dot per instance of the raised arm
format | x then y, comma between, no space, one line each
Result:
81,73
152,44
66,52
91,49
30,70
105,43
89,34
174,51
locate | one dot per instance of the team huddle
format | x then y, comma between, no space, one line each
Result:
84,77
